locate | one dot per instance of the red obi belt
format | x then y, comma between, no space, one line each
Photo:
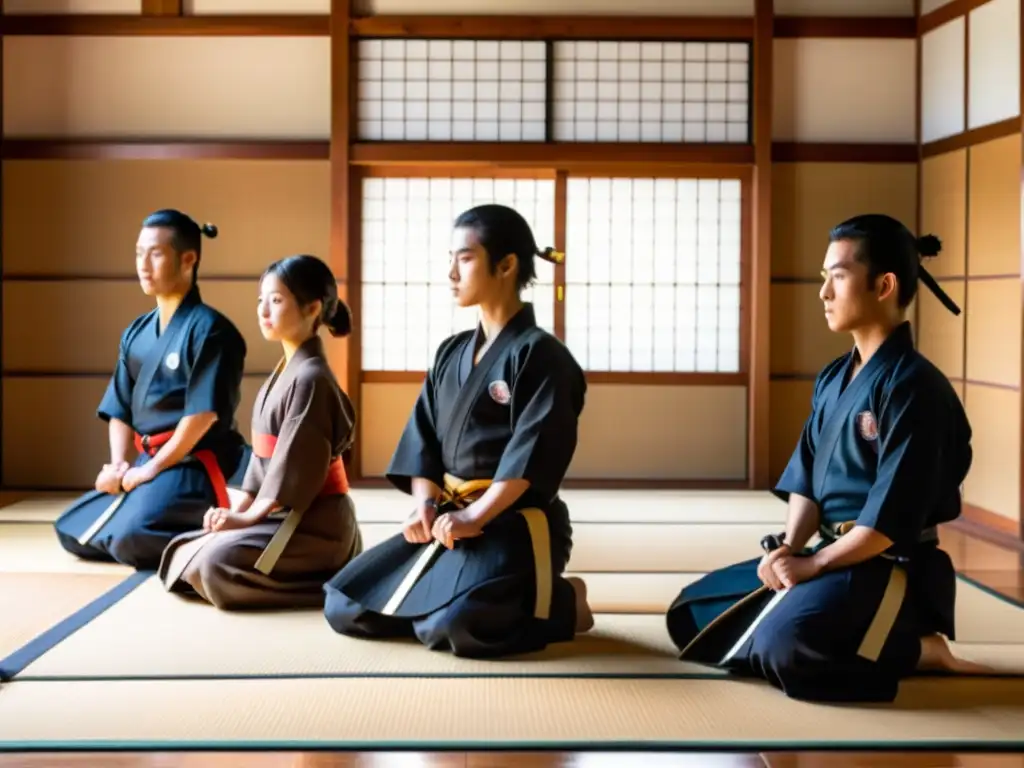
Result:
336,482
150,444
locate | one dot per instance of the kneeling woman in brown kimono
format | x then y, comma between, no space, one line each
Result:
295,525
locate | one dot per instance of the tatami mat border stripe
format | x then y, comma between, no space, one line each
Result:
90,612
723,745
41,644
991,591
718,676
190,678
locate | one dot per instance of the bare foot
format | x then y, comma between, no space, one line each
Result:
584,616
937,656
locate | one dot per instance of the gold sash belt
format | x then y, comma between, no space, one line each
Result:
460,494
889,607
871,644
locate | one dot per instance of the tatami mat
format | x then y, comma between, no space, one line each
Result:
430,713
31,603
158,635
156,670
597,547
33,548
385,505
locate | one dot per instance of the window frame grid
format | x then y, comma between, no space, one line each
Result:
549,43
561,295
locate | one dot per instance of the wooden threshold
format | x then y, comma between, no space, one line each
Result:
116,25
556,27
846,26
546,155
178,149
807,152
163,19
388,158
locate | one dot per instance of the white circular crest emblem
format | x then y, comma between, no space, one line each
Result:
499,392
867,425
172,361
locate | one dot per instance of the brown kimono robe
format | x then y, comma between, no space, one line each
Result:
302,422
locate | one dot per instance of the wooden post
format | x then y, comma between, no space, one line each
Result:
761,265
162,8
344,355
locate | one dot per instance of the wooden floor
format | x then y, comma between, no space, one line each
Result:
996,567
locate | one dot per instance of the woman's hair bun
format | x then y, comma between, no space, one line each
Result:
340,322
209,230
929,246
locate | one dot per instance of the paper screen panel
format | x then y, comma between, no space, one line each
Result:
444,90
652,91
653,274
408,309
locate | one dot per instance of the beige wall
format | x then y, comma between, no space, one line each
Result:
627,432
971,198
826,90
70,225
809,199
69,284
522,7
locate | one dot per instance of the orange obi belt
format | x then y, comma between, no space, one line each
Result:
150,444
336,482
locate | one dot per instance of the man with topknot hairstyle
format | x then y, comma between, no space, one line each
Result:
878,467
172,397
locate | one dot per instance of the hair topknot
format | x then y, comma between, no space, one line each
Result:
550,254
210,230
929,246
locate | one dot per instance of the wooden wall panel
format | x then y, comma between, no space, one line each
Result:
65,341
256,7
17,7
67,327
943,81
673,433
801,340
994,220
944,210
994,481
811,198
791,406
993,331
844,7
181,87
994,63
33,456
82,217
971,199
826,90
940,333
